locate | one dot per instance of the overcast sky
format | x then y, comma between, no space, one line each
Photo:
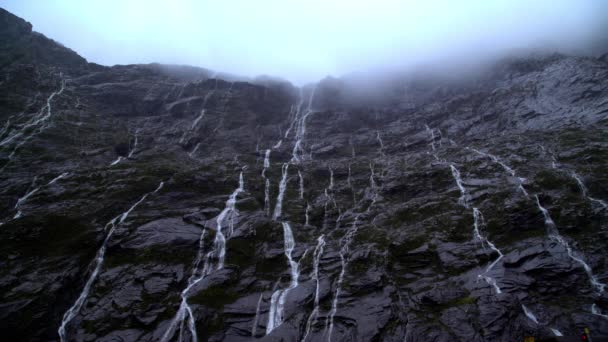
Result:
307,40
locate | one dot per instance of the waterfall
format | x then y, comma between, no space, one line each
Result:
37,120
478,221
432,134
266,182
193,152
301,184
307,214
282,186
318,252
529,314
118,160
277,301
30,193
256,319
463,193
508,169
196,121
97,263
585,192
218,251
298,150
344,250
554,235
134,145
379,138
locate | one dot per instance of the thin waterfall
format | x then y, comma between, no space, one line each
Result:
508,169
585,192
97,263
277,301
463,192
256,319
282,186
478,221
218,252
318,252
554,235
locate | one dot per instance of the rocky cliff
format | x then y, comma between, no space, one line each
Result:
152,202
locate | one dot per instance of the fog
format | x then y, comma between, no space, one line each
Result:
303,41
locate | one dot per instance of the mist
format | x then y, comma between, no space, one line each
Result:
304,41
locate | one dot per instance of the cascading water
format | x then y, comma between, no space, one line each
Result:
318,252
266,182
194,150
30,193
256,319
478,221
277,301
282,186
98,263
463,192
37,121
218,252
134,147
529,314
554,235
301,184
509,170
344,250
432,134
298,150
585,192
379,138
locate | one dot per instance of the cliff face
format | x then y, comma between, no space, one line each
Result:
149,202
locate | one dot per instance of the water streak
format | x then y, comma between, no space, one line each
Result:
586,192
529,314
318,252
218,252
509,170
478,221
554,235
256,320
277,302
463,192
282,186
97,263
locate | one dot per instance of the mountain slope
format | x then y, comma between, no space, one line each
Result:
441,210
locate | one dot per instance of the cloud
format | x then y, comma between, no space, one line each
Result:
307,40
